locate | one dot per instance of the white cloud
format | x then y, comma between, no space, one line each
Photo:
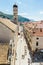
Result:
18,2
6,10
36,18
41,12
23,14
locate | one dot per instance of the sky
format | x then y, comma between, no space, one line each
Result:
32,9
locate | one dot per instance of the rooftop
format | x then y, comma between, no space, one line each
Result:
36,28
15,5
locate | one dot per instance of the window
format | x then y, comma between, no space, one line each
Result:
36,29
15,18
18,33
36,43
40,29
36,49
34,32
37,38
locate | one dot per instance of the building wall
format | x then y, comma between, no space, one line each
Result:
3,53
32,39
40,43
28,37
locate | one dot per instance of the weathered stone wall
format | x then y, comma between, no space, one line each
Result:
3,53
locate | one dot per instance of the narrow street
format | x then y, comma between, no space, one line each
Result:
22,57
22,52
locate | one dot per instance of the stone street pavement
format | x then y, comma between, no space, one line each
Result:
22,52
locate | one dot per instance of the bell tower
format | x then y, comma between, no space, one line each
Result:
15,13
